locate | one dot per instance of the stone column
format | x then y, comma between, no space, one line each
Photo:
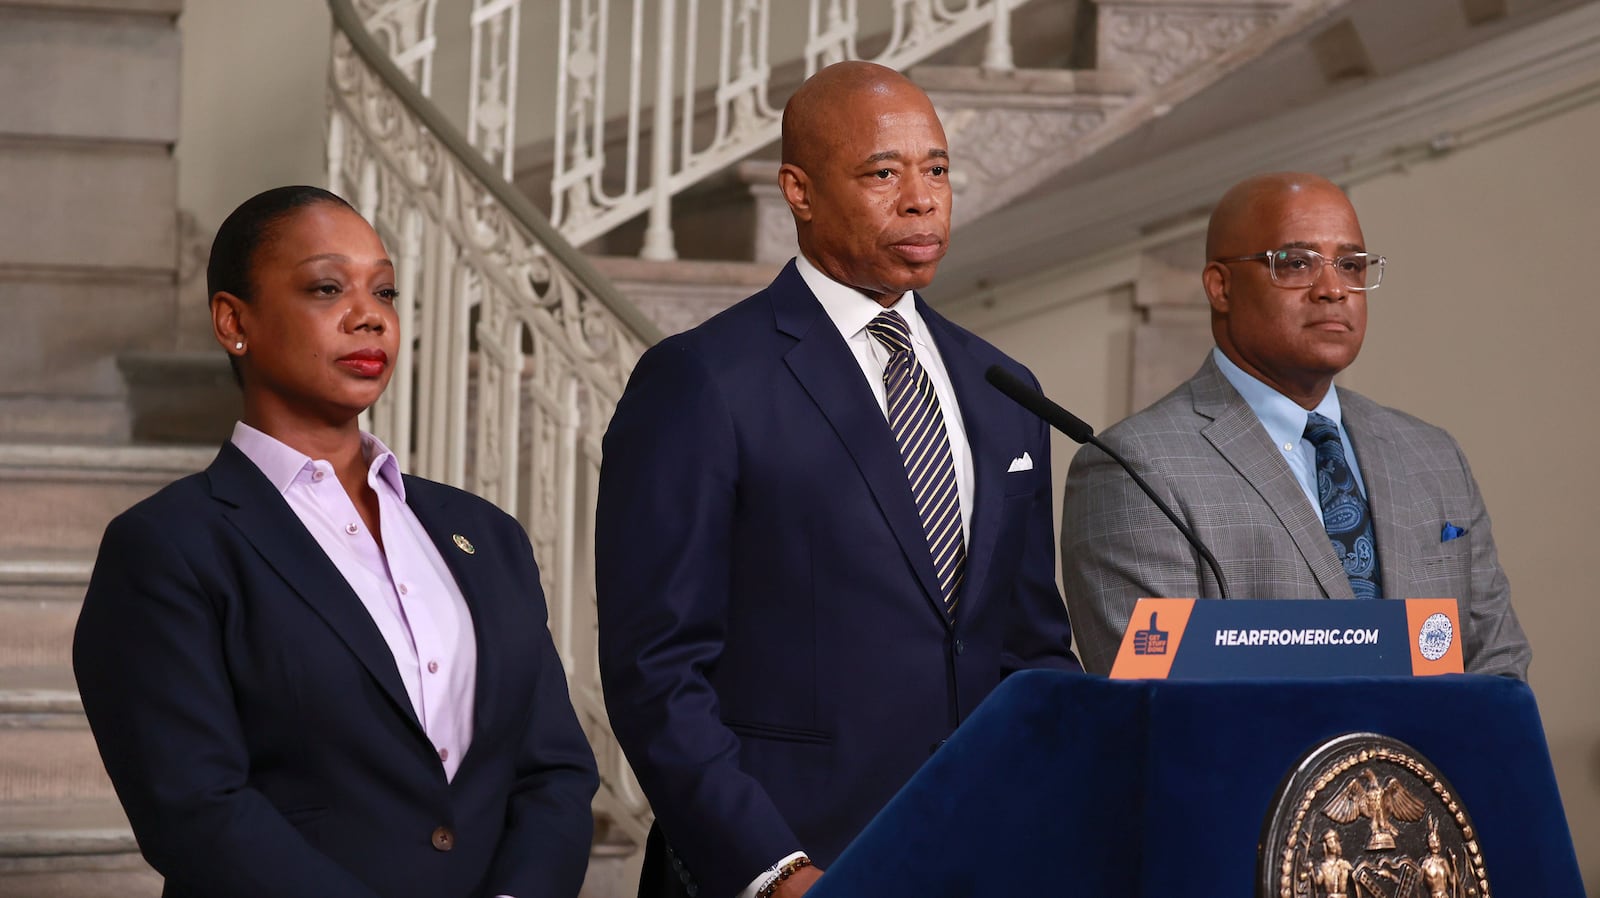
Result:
1175,331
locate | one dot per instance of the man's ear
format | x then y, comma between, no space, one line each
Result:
1215,279
227,323
796,187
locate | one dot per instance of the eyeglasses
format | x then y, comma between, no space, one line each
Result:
1299,268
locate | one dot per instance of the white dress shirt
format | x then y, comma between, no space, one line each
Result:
850,310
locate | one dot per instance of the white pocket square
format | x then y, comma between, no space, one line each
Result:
1023,462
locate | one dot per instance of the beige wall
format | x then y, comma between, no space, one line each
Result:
251,117
253,107
1081,349
1486,325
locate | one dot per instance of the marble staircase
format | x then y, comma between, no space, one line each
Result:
88,224
62,834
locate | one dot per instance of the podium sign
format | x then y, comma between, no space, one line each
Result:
1294,638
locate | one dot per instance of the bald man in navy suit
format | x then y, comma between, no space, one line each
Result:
823,538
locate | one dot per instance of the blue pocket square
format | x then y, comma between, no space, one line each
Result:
1451,532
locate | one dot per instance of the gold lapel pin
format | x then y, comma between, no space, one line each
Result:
464,544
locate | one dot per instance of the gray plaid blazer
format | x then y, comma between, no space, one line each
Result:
1204,451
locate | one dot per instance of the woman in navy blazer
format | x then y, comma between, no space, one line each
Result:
268,699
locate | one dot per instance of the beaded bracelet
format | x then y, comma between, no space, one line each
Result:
784,872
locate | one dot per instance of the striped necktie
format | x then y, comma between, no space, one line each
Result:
1344,511
918,425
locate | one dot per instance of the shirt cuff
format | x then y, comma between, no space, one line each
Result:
766,875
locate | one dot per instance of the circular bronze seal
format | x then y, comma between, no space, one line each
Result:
1367,816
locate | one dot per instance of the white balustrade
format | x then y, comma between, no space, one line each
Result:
680,122
593,192
492,103
405,29
509,367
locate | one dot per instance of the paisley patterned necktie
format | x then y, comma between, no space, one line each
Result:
1344,509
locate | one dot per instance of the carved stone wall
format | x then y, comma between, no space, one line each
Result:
1157,40
1009,131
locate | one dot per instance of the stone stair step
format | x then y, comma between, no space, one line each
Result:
44,576
49,751
93,827
165,8
59,498
77,849
39,602
679,295
57,419
180,397
116,876
28,695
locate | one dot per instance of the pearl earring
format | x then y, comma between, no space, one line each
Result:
239,345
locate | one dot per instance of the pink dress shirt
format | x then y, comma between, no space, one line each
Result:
405,586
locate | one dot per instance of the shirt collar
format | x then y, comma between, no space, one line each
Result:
850,310
1283,418
283,464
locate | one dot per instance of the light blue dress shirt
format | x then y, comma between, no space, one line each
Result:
1285,422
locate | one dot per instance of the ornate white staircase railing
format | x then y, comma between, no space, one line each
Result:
654,48
515,348
746,115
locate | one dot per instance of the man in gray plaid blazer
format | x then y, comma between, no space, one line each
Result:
1231,451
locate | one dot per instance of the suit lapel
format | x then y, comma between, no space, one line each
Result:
430,503
830,375
1239,437
978,415
266,520
1387,492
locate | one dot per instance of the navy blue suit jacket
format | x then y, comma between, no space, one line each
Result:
256,728
775,655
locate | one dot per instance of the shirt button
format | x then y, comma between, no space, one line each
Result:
444,754
1288,447
316,475
443,839
352,529
433,667
403,589
960,647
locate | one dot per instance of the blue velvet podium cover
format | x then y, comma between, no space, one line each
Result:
1075,785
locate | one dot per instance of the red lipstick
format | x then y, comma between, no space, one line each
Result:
366,362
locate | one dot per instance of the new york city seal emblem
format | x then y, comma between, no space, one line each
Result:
1367,816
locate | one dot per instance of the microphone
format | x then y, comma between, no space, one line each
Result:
1079,432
